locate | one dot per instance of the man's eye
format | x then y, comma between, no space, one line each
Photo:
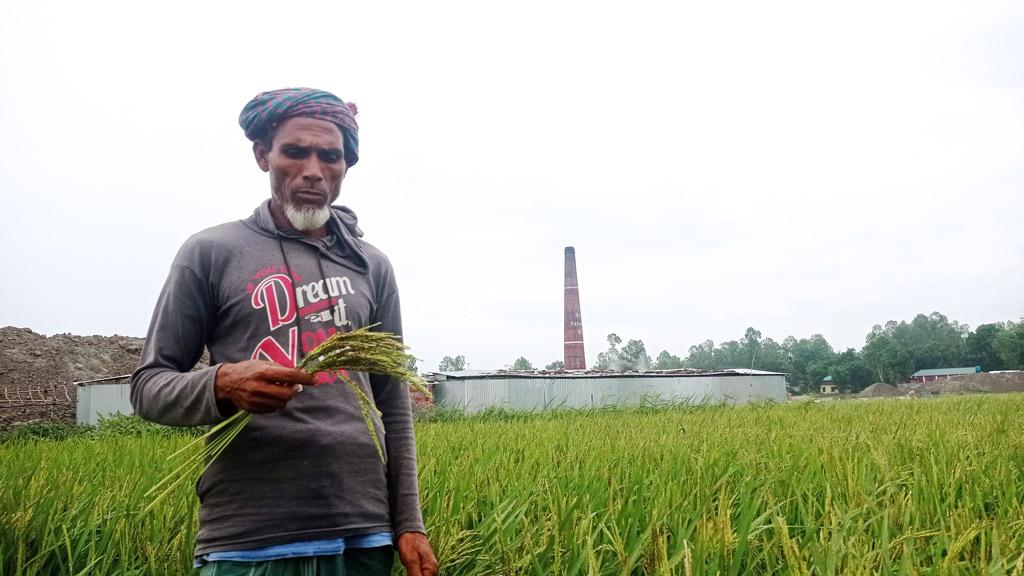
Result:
330,157
295,153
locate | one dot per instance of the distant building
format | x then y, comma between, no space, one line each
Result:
934,374
102,398
475,390
827,385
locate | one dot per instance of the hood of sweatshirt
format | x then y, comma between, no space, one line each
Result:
347,248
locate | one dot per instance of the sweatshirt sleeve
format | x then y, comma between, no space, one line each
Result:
394,401
163,389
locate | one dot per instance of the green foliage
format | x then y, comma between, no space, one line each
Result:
633,355
981,347
449,364
121,425
879,487
43,431
609,359
891,353
116,426
1009,346
668,361
702,356
888,359
809,358
556,365
850,372
522,363
898,349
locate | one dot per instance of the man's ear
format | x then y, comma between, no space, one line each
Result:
260,151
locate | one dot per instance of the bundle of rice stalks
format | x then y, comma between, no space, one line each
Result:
360,350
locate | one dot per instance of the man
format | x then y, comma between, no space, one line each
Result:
302,489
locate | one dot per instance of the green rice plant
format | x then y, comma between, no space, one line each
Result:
884,486
361,350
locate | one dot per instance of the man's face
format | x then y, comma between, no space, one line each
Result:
306,162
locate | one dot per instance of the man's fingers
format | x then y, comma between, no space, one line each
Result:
274,373
261,398
429,563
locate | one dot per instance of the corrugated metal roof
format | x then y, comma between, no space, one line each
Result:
946,371
594,373
107,379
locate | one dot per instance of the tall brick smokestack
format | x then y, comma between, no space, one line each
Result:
574,356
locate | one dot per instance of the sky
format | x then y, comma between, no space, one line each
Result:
799,167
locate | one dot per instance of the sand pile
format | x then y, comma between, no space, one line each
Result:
879,390
981,383
36,372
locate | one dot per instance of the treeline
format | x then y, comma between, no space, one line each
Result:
891,353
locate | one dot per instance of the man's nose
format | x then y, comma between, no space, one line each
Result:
312,170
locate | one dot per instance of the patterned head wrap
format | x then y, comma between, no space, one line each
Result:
268,109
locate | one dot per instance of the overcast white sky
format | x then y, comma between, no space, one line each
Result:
799,167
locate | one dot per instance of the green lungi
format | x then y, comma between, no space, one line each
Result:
354,562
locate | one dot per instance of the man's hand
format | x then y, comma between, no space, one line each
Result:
259,387
416,555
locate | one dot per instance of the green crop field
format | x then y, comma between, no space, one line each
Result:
857,487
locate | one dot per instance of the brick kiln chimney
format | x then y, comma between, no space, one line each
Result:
574,356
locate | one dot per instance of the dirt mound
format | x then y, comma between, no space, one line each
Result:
981,383
36,372
879,390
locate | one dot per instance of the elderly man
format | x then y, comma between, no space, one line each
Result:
302,490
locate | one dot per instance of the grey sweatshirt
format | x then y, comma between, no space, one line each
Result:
309,471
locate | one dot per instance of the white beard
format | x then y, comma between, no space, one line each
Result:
307,219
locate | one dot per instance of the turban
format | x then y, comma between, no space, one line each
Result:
268,109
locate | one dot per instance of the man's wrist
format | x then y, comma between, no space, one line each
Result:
224,404
223,383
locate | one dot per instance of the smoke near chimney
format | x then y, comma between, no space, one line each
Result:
574,356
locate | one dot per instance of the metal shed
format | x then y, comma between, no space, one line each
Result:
475,390
102,397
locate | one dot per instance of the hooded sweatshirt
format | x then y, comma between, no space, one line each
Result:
310,471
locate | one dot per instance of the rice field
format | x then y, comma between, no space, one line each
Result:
857,487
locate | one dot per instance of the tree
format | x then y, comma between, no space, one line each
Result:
981,347
522,363
449,364
930,341
1009,345
556,365
751,344
731,355
634,356
850,372
668,361
609,359
805,353
411,365
888,359
702,356
771,356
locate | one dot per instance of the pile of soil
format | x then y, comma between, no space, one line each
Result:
981,383
879,390
37,372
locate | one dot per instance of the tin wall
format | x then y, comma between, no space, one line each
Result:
473,395
95,400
